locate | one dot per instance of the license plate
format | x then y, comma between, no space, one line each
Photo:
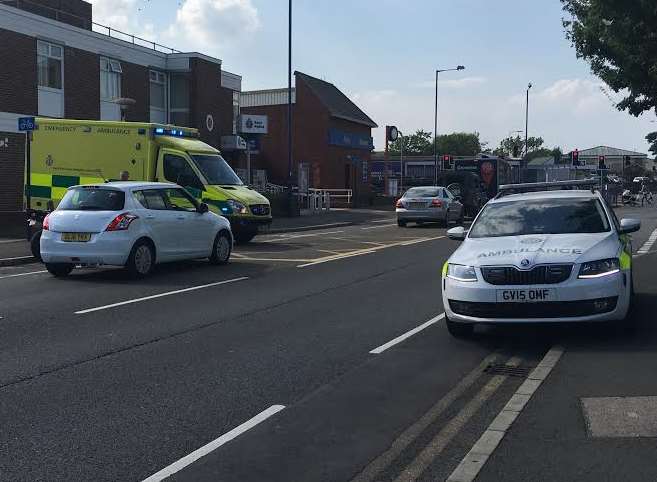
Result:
76,237
534,295
417,205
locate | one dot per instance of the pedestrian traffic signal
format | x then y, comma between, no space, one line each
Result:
601,162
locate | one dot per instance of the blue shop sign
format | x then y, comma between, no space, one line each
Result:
350,139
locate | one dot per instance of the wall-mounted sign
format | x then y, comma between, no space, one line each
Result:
209,122
233,143
349,139
4,142
26,123
253,124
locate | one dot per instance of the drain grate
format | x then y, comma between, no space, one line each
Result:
502,369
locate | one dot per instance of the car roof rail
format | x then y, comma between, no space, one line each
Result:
507,189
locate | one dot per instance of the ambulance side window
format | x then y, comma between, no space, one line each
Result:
176,169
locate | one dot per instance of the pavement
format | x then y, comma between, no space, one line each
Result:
318,355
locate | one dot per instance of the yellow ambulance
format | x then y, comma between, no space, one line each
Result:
65,153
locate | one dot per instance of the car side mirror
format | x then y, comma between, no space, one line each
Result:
628,225
457,234
202,208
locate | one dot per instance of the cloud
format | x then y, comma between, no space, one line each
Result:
122,15
451,83
213,25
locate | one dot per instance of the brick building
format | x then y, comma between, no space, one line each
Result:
58,63
332,137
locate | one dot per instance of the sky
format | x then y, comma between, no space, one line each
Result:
383,54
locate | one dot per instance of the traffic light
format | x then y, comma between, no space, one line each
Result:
574,157
448,162
601,162
626,160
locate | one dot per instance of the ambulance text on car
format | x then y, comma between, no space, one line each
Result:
543,252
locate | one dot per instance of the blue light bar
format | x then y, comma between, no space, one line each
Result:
161,131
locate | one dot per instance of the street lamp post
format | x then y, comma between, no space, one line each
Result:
401,163
435,123
289,109
527,119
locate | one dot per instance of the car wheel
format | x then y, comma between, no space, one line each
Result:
459,330
141,260
35,245
221,249
244,236
401,224
59,270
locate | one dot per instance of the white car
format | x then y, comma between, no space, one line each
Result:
131,224
536,254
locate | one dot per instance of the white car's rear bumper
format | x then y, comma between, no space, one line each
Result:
106,248
577,300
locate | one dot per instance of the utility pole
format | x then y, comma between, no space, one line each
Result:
527,120
435,124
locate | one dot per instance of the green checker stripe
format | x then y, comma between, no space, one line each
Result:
38,191
65,181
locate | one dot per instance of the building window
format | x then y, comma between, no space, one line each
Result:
179,100
236,110
49,65
110,79
158,96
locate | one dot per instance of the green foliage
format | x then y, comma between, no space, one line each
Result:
617,39
515,146
421,143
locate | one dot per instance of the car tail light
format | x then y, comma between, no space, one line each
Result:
121,222
399,203
437,203
46,223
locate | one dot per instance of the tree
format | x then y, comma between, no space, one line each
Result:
515,146
617,39
459,144
415,144
555,153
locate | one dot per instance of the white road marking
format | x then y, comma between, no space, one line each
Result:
286,260
286,238
9,241
378,465
358,252
16,258
23,274
408,334
413,471
214,445
379,227
160,295
475,459
648,244
381,221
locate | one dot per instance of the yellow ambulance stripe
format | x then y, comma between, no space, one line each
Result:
58,192
38,179
625,261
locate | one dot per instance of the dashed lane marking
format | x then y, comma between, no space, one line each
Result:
408,334
214,445
160,295
379,227
648,244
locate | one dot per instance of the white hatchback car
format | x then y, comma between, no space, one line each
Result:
534,254
131,224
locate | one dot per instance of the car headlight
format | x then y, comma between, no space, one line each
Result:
600,268
461,272
237,207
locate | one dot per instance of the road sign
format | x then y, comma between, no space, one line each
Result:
26,123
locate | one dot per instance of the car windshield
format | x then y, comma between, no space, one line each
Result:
216,170
423,192
92,199
540,216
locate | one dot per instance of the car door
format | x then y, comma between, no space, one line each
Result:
195,229
159,221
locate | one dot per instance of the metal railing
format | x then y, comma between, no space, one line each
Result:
339,196
85,23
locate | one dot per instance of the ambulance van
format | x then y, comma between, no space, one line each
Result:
65,153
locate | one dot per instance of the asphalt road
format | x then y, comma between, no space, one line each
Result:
107,378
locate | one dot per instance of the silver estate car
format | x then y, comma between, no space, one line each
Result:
429,204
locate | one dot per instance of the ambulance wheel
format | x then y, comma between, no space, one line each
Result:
35,245
59,270
141,260
244,237
221,249
459,330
